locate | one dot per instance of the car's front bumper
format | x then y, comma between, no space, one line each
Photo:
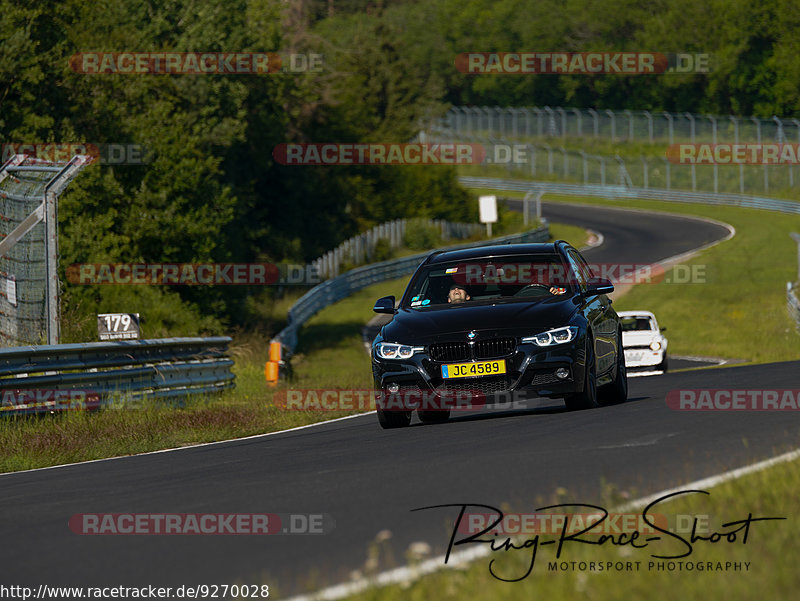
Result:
530,371
643,357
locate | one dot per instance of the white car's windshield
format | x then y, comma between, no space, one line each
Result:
636,324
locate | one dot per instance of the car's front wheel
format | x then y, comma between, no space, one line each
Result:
389,418
587,398
616,391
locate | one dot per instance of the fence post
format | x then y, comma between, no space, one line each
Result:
671,129
593,113
610,113
579,125
780,128
690,117
630,123
649,124
735,128
551,121
757,121
563,114
527,114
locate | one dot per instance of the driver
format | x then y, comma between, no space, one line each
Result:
457,294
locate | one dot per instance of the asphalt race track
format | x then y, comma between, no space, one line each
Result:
368,479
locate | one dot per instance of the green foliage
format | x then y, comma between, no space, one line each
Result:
383,250
213,191
422,236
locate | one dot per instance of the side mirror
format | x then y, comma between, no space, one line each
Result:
599,286
663,329
384,305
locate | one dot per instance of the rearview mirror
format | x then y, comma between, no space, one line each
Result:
599,286
384,305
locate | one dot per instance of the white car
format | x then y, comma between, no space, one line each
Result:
642,341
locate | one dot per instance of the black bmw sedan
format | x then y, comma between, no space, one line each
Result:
521,319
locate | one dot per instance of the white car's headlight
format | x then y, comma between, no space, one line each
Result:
390,350
655,345
553,337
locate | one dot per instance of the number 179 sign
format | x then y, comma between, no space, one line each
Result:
118,326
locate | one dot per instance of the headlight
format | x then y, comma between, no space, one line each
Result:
655,345
553,337
390,350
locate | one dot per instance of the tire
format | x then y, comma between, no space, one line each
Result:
434,417
393,419
587,398
616,391
664,365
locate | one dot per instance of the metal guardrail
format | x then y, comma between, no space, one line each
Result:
793,303
337,288
361,249
735,200
127,370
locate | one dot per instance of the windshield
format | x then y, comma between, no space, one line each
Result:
516,278
636,324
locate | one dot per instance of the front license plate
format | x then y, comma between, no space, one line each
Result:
473,370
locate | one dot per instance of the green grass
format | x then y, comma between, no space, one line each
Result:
771,575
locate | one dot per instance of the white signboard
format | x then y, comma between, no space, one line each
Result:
118,326
488,208
11,289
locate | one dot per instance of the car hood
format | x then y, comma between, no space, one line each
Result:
421,326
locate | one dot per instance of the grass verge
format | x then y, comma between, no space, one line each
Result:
768,493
